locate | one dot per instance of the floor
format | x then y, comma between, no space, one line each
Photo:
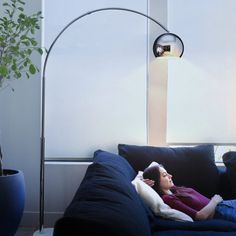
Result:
30,231
25,232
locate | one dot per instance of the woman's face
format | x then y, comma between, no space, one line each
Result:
165,180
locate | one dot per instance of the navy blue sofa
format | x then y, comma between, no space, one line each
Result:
106,203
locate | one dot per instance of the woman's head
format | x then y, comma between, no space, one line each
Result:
162,180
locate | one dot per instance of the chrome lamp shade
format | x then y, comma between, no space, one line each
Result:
168,45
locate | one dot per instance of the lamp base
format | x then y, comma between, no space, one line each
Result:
44,232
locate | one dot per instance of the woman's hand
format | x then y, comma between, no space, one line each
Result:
149,182
217,199
208,211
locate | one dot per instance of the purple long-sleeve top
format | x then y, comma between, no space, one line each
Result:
186,200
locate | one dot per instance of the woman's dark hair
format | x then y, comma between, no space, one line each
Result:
153,173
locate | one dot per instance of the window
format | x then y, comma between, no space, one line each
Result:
201,97
95,78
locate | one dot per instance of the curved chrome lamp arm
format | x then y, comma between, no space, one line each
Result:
156,47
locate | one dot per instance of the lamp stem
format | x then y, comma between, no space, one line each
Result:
42,150
42,184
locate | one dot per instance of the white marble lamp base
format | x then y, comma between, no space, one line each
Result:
44,232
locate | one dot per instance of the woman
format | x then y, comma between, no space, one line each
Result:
188,200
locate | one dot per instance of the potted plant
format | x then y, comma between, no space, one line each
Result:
17,43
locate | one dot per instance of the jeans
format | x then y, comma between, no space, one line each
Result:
226,210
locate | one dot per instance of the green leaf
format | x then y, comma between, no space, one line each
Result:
3,70
26,43
23,16
12,40
34,42
23,37
25,63
22,2
40,51
8,12
14,67
18,74
29,51
32,69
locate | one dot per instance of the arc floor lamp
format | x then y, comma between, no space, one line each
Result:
167,44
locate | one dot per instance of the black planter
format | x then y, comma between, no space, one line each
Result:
12,201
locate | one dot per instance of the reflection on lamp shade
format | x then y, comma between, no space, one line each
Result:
168,45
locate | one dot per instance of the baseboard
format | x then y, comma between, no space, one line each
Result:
31,219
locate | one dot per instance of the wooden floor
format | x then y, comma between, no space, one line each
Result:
30,231
25,232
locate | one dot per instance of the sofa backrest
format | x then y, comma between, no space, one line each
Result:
190,166
106,202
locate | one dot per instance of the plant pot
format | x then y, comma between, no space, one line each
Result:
12,201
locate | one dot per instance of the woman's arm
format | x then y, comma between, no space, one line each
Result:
208,211
149,182
175,203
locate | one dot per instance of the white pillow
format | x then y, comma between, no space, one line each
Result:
155,202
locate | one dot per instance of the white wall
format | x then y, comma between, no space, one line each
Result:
201,86
19,125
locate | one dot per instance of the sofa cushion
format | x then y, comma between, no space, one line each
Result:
190,166
229,159
192,233
202,225
108,203
116,162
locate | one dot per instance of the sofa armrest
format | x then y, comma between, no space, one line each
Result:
106,203
224,186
